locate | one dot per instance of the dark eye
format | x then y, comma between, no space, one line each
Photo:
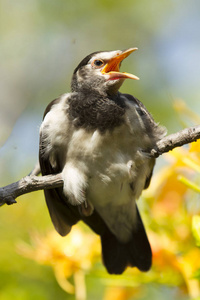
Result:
98,63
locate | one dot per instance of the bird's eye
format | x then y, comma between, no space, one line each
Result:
98,63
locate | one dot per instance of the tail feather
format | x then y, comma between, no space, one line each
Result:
114,254
118,256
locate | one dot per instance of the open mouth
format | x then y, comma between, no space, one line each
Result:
112,68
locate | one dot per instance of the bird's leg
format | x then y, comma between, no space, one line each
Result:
86,208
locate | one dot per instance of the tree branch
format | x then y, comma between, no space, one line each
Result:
28,184
31,183
178,139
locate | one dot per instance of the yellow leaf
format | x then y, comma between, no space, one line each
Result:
196,229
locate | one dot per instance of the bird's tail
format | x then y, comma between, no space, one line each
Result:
135,253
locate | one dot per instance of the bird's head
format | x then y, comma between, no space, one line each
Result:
101,71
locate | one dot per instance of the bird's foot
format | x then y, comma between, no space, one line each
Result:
86,208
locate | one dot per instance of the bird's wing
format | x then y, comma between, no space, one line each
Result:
154,130
63,215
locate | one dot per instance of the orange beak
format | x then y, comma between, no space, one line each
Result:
113,66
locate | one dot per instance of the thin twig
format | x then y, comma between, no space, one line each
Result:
31,183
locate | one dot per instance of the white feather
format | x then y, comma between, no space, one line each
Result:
75,184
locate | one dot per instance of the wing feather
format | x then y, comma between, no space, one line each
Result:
63,215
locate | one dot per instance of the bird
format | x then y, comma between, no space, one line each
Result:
99,139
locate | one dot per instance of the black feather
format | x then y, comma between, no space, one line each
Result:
91,111
118,256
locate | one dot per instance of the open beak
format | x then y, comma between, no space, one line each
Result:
113,66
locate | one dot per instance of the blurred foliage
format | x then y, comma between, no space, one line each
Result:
41,43
69,257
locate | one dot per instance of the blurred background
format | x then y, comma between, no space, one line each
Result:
41,44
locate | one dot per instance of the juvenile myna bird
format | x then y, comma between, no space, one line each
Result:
99,139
